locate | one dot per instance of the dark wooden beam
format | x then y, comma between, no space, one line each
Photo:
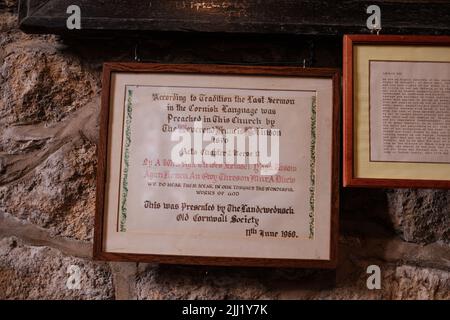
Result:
301,17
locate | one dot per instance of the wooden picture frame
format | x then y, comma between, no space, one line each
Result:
114,103
360,167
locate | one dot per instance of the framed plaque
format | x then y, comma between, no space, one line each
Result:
397,111
218,165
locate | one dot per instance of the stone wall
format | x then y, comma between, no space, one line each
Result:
49,107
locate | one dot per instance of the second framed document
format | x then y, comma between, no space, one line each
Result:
397,111
221,165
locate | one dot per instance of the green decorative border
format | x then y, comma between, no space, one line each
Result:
126,158
312,167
